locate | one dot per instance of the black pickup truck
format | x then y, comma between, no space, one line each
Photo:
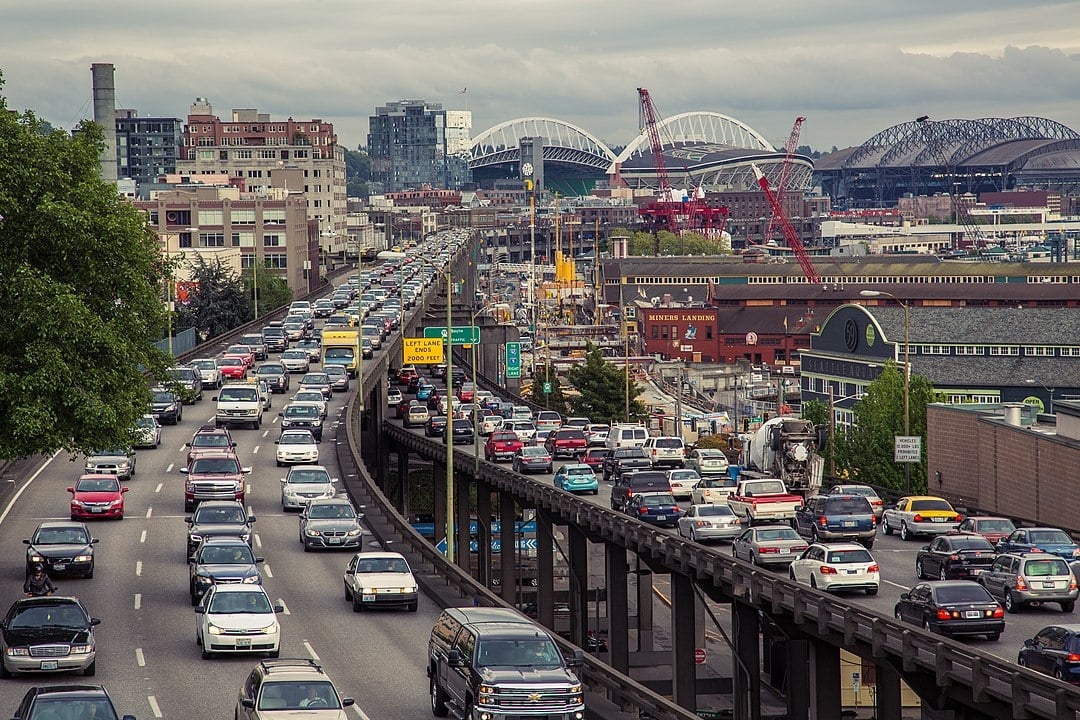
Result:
626,459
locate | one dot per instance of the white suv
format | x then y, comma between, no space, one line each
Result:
280,688
670,451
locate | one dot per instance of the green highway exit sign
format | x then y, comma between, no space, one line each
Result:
464,335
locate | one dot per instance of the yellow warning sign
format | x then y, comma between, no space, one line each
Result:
422,351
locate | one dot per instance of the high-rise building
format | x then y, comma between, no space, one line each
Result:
252,146
413,143
146,148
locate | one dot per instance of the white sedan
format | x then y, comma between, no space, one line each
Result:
393,397
380,579
237,619
836,566
683,482
296,361
296,446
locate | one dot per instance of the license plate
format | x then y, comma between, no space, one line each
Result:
97,509
937,519
60,567
48,665
850,523
368,598
661,517
334,540
785,551
851,572
972,614
1048,585
243,642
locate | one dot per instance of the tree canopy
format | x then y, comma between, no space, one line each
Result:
601,390
81,283
555,400
218,300
688,243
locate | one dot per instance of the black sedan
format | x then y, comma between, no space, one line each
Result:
1055,651
63,548
955,557
435,426
221,560
48,634
462,431
952,607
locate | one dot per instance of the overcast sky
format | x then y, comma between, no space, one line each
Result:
852,67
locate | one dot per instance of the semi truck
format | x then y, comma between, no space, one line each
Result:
786,448
341,347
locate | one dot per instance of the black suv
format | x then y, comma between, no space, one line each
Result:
218,518
221,560
303,416
624,459
257,344
275,338
275,375
187,382
274,687
85,701
499,660
630,484
166,406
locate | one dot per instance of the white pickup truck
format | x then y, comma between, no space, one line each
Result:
764,501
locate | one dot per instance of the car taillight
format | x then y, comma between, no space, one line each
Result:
826,570
998,612
873,568
769,551
1073,657
1072,583
823,522
954,557
943,614
917,518
643,510
876,502
1020,583
701,523
958,518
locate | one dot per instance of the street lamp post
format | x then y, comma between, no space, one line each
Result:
476,415
907,372
1050,408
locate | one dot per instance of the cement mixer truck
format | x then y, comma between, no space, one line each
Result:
786,448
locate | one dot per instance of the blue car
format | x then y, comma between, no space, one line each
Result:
577,478
1041,539
423,392
655,508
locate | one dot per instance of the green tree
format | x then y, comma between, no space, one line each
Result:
602,390
81,284
273,290
555,400
357,172
217,301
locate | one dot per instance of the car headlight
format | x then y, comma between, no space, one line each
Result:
83,558
312,532
82,649
203,578
18,651
214,629
34,557
252,580
195,539
271,628
354,533
117,502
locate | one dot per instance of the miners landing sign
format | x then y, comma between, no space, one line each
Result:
680,333
683,316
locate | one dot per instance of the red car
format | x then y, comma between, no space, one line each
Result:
594,457
466,392
244,352
502,445
567,441
97,496
232,367
407,374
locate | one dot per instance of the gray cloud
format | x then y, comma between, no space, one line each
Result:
852,67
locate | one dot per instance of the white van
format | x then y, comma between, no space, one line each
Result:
238,405
621,436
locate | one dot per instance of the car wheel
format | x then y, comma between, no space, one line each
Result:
993,636
814,534
791,574
868,543
942,575
356,606
871,591
813,581
348,594
904,534
1010,602
1068,606
89,573
307,548
194,599
413,607
885,527
693,535
896,614
753,558
279,463
1058,675
4,672
198,638
1021,661
438,700
205,653
919,569
926,624
274,653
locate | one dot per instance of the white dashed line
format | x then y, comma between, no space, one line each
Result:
169,469
902,587
251,510
247,488
258,541
311,651
159,486
138,600
142,537
256,450
266,569
138,568
149,512
265,433
140,660
286,607
153,705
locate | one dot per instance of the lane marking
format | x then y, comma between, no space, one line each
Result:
282,604
19,492
169,469
251,511
138,600
311,651
902,587
159,486
265,433
149,512
153,705
256,450
142,537
266,569
258,540
247,489
363,715
138,568
140,660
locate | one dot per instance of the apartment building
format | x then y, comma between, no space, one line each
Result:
146,148
414,143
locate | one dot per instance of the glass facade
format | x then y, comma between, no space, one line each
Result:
147,148
415,143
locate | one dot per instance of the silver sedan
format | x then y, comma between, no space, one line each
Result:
768,545
706,522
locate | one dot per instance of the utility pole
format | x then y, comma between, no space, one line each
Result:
450,503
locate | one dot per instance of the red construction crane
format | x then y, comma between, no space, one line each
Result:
785,171
667,213
792,237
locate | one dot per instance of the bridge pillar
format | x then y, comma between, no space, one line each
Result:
401,491
888,698
618,607
644,608
438,499
462,518
684,640
746,683
507,554
578,557
483,520
825,661
545,569
797,674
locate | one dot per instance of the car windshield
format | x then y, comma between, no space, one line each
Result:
657,500
63,615
682,475
765,488
239,603
231,555
270,370
204,364
777,534
306,477
712,454
382,565
309,396
214,466
867,492
97,485
849,556
86,708
715,510
668,443
295,695
717,482
294,355
847,506
61,536
533,452
289,438
315,379
995,525
1050,537
517,653
963,593
145,423
230,362
975,542
301,411
211,440
212,514
239,395
925,505
336,511
163,397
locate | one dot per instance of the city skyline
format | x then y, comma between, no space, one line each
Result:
852,68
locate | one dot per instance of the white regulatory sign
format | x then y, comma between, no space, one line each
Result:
907,448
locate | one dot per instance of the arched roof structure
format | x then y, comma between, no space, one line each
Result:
563,143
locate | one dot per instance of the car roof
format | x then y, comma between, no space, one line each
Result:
61,524
71,690
223,540
840,546
380,554
576,466
240,587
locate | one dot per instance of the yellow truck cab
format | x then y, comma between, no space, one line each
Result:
341,346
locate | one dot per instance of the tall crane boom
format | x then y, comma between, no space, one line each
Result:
792,237
934,143
785,170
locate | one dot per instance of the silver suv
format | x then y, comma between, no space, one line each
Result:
1026,579
275,687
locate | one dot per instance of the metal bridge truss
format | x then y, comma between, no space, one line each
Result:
563,143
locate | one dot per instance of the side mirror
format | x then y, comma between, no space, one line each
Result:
260,559
184,470
95,621
925,547
577,660
245,470
189,520
251,518
94,541
124,489
346,702
905,596
455,659
199,610
214,399
279,608
187,444
1029,642
284,480
71,490
191,558
276,442
248,702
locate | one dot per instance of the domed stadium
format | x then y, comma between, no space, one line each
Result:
924,157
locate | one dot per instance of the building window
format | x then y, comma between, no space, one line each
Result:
969,350
655,332
185,240
271,240
663,332
708,332
211,218
243,216
1069,351
212,239
243,239
267,154
300,154
674,332
1039,351
1004,350
273,216
276,261
241,154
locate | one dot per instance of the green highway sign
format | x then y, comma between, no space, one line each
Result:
513,360
547,388
464,335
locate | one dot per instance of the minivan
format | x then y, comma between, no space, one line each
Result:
626,436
